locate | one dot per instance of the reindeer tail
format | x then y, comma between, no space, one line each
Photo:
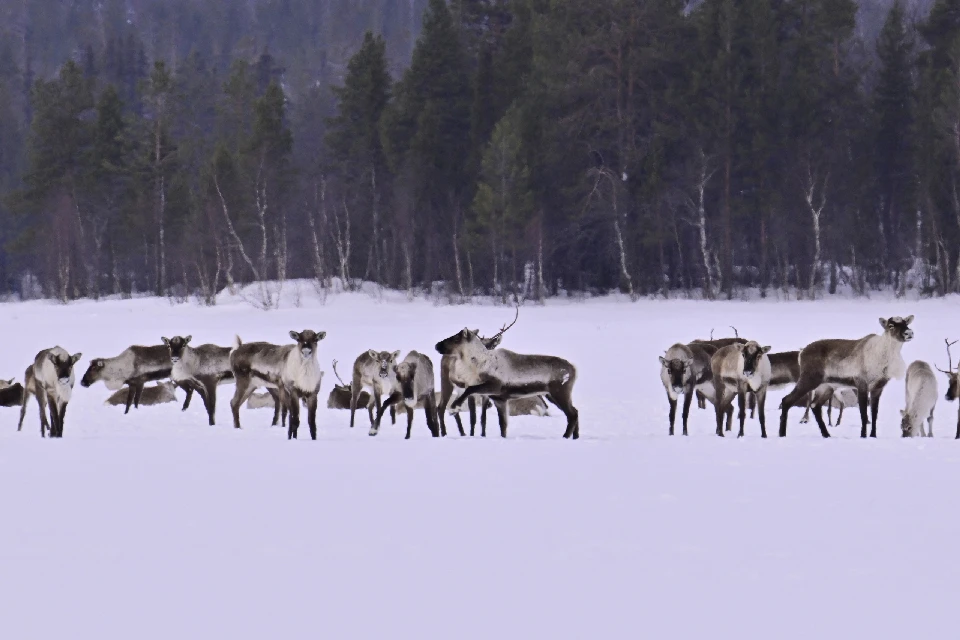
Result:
236,344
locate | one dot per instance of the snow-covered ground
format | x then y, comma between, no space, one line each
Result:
155,525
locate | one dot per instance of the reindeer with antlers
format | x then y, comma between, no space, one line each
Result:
451,380
504,375
341,394
953,380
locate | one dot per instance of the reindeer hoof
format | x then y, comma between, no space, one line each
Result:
373,432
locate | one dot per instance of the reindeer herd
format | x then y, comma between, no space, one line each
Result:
832,373
474,372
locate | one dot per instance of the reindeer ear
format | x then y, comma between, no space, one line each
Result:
165,341
373,354
10,381
295,336
663,361
688,362
903,413
908,320
321,335
52,358
395,355
75,357
883,322
739,346
465,333
765,349
187,339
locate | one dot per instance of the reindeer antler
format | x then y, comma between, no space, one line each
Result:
949,371
337,374
507,327
711,334
735,332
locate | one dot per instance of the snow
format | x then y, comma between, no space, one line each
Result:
155,525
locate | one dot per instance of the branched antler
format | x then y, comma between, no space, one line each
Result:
736,333
711,335
342,383
506,327
949,370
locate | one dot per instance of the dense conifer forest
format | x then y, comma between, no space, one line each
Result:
655,147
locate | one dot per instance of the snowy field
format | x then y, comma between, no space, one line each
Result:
155,525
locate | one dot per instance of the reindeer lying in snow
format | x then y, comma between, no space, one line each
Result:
11,393
504,375
292,369
414,388
737,370
341,396
134,367
160,393
833,398
866,364
921,388
51,379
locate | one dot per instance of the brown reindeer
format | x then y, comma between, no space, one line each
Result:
953,381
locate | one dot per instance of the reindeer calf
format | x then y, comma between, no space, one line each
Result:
51,379
921,388
414,388
134,367
504,375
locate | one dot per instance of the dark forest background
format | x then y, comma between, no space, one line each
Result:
479,146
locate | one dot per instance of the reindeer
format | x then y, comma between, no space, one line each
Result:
953,381
134,367
340,396
833,397
292,369
51,379
160,393
685,368
11,393
737,369
414,388
866,364
202,369
921,388
451,381
504,375
374,370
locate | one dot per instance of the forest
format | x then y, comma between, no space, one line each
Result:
479,147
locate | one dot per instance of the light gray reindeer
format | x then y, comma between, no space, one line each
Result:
921,391
372,370
134,367
737,370
160,393
866,364
291,368
453,383
953,381
504,375
201,369
685,369
414,388
833,397
51,379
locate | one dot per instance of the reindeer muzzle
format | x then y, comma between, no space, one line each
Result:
306,352
174,359
64,381
908,335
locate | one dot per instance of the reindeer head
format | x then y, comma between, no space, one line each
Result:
385,361
678,370
176,346
459,341
406,373
898,328
307,341
63,365
752,353
953,377
94,371
906,424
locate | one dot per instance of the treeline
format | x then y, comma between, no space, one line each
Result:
530,146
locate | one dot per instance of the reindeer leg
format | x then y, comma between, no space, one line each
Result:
863,399
393,415
489,388
741,409
753,403
54,417
830,411
720,405
394,398
430,407
761,411
503,414
673,411
409,422
276,406
209,397
472,406
807,383
376,402
875,394
188,389
840,415
130,394
293,409
355,389
44,425
136,397
818,415
312,415
687,401
63,416
26,398
446,390
930,425
240,395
